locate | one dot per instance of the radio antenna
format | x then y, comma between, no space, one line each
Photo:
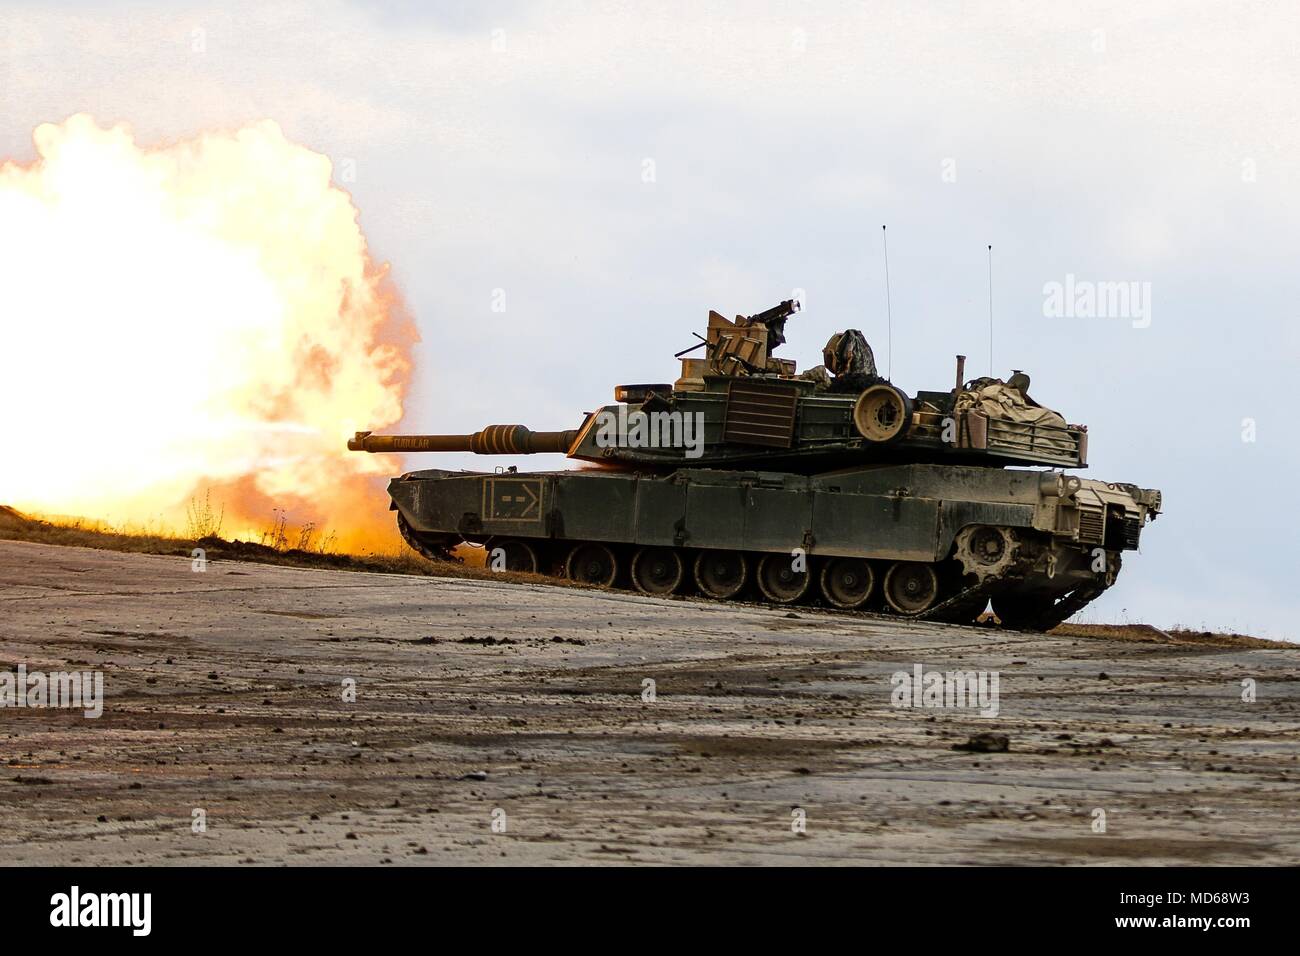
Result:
889,312
990,311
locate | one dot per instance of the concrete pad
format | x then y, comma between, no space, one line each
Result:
481,702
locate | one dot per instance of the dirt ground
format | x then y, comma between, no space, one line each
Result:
511,723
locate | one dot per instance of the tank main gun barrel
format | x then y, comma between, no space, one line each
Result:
493,440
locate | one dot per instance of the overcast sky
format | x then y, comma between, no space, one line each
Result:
619,170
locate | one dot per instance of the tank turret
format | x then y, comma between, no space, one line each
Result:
739,407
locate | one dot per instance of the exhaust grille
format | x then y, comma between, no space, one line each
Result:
760,414
1132,531
1092,524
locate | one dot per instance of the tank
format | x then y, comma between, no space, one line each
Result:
745,479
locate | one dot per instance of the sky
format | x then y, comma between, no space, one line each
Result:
564,190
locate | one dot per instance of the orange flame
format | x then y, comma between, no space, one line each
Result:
203,315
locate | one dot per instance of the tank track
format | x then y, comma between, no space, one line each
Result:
962,599
425,545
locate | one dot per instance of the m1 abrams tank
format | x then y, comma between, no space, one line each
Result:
744,478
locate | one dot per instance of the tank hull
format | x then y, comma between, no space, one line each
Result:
928,540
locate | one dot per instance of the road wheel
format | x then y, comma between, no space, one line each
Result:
882,413
1022,612
657,571
779,581
512,555
721,574
847,582
911,587
592,564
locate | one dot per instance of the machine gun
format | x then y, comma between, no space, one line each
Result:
773,320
